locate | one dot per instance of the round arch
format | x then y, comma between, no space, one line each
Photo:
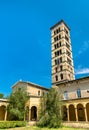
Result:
33,113
87,109
72,115
80,111
2,112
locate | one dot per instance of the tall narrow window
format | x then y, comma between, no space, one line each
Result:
61,68
54,32
60,52
79,93
59,36
56,77
38,93
58,29
59,44
60,60
55,46
61,76
55,62
65,95
56,69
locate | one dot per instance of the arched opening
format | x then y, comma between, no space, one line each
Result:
61,76
27,114
64,113
87,108
81,114
33,113
72,115
56,77
2,112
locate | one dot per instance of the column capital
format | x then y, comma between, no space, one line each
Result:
84,105
75,105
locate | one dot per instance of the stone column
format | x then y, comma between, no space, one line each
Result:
5,117
29,114
85,111
76,114
68,114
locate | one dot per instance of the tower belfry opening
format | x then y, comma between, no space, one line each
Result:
62,61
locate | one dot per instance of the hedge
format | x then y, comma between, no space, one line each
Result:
12,124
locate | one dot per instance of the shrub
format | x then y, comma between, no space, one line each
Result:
50,115
11,124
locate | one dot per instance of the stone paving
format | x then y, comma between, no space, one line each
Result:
77,124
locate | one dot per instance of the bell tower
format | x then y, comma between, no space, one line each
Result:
62,61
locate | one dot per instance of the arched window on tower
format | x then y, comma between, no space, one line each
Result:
61,76
56,77
61,67
56,69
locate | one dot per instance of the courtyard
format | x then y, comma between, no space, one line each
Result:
37,128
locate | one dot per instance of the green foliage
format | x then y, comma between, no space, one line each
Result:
1,95
50,115
11,124
17,102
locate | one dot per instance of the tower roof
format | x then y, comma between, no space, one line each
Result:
62,21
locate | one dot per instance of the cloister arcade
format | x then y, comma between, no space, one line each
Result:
73,110
32,113
76,111
3,109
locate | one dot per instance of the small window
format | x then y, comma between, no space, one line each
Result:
54,32
55,46
60,52
59,44
68,61
56,77
59,36
67,45
56,69
69,75
55,39
61,76
55,53
38,93
66,38
60,60
55,62
66,95
57,31
79,93
61,68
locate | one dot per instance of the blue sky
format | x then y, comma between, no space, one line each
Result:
25,41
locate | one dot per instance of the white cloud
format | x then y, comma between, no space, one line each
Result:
84,47
82,71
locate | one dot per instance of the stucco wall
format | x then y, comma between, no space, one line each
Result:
73,86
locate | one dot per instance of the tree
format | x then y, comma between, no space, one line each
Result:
17,102
1,95
50,115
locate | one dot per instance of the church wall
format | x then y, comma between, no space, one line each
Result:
72,88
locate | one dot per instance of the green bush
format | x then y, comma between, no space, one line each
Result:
11,124
50,105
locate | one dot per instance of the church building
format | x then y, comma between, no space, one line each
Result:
74,92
